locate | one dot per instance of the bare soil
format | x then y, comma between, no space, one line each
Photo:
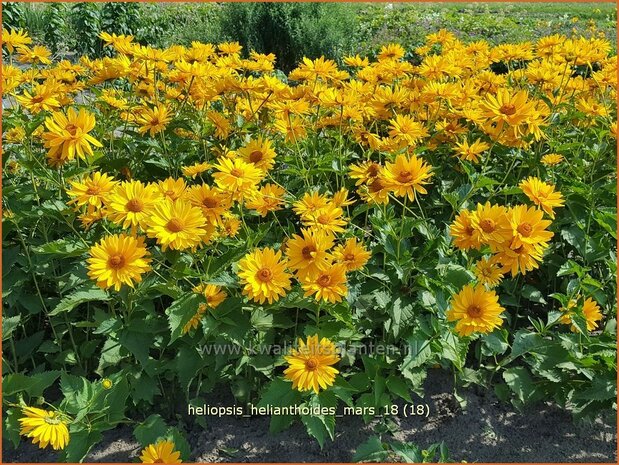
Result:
488,431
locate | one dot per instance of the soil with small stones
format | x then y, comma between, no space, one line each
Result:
487,431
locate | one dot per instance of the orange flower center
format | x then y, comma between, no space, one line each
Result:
159,460
349,257
474,311
405,176
174,225
265,275
487,225
323,219
255,156
93,190
311,364
324,280
307,252
170,193
237,173
72,128
116,261
209,202
508,109
525,229
135,205
373,170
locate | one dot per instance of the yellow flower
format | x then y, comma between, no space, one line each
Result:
213,294
15,39
505,107
308,254
476,310
463,232
213,202
491,224
107,383
67,135
352,255
406,130
35,55
172,189
329,284
520,259
131,203
198,168
195,320
267,199
230,224
237,177
118,260
15,135
552,159
328,219
42,97
471,152
162,452
406,176
542,194
364,173
259,152
528,227
263,275
374,193
153,120
591,312
488,272
310,365
92,190
44,427
309,203
176,224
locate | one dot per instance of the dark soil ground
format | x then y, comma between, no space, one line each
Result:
488,431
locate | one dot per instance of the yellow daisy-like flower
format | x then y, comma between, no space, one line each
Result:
406,176
172,189
374,193
258,152
67,135
310,365
406,130
488,272
542,194
552,159
263,275
267,199
352,254
230,225
92,190
308,254
153,120
590,310
520,259
365,172
194,170
463,232
195,320
528,226
131,203
237,177
118,260
15,39
471,152
176,224
44,427
329,284
212,200
328,219
162,452
213,294
491,224
310,203
476,310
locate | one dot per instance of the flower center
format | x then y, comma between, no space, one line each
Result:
71,128
237,173
135,205
405,176
37,99
170,193
373,170
93,190
116,261
159,460
474,311
255,156
323,219
209,202
376,186
324,280
508,109
525,229
311,364
307,252
349,257
52,419
487,225
174,225
265,275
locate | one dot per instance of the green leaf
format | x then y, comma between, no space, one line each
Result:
181,311
11,425
150,430
64,248
533,294
401,313
371,450
409,453
180,443
521,384
32,385
279,393
398,386
80,444
85,294
9,323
